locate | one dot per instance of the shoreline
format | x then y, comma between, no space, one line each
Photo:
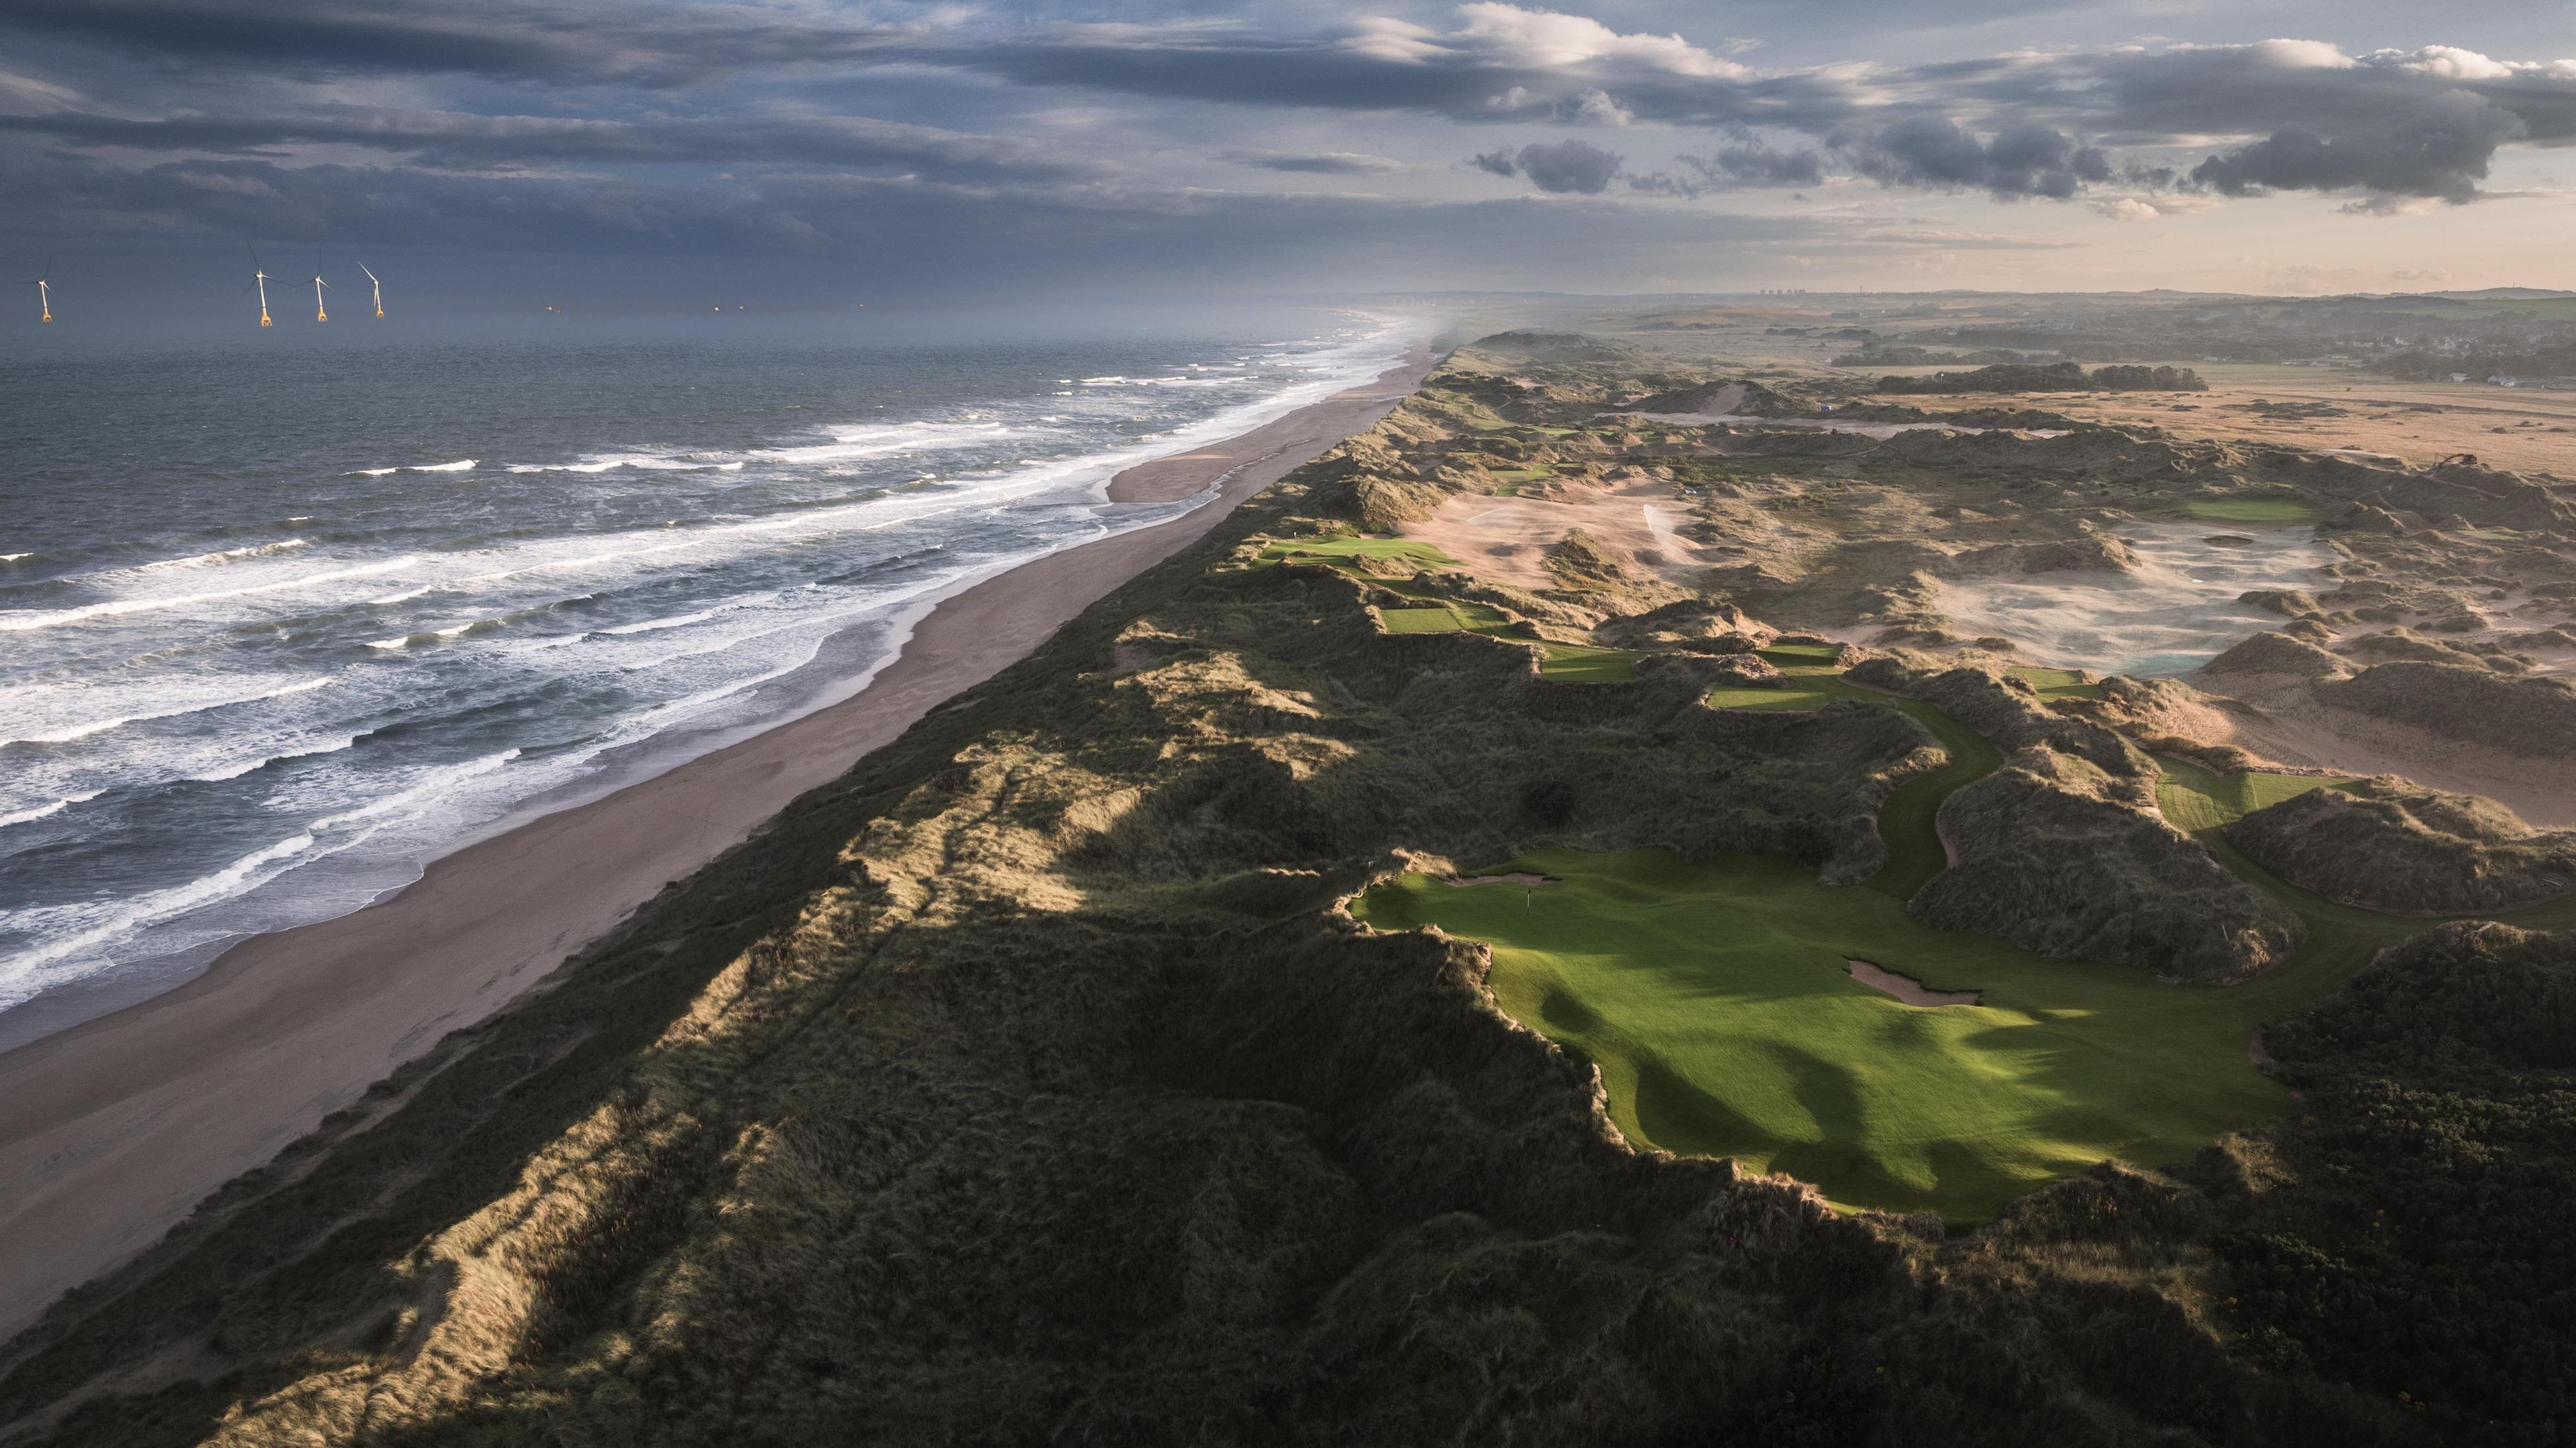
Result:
118,1126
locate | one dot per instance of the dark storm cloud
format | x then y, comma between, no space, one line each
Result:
912,233
571,124
2441,149
1560,167
450,140
2423,123
645,43
2023,160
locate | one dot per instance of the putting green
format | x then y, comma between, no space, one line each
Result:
1714,996
2253,510
2054,684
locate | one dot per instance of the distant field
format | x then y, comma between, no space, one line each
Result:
2521,428
2253,510
1715,998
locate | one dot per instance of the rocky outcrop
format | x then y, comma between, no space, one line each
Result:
2387,845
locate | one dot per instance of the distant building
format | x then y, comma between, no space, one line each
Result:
2459,377
2500,380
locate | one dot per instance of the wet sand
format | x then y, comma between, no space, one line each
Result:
112,1130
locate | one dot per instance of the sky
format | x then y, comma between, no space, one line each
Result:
810,153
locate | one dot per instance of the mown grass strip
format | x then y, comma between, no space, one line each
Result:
2253,510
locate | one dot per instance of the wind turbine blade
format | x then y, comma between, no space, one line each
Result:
371,276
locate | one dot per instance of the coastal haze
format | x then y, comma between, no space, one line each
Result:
282,629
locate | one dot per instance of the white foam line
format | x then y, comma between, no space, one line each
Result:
459,466
150,909
237,771
253,551
41,811
428,788
101,726
22,620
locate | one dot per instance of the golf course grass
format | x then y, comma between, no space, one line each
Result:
1560,663
2253,510
1716,999
2054,684
2197,799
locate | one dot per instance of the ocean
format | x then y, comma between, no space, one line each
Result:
279,626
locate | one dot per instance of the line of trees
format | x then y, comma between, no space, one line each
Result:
2052,377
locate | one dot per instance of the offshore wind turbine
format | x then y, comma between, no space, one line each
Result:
319,313
45,292
259,279
380,290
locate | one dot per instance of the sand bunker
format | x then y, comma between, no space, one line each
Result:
1506,539
2173,613
1907,989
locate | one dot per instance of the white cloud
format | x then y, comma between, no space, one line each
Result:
1550,40
2127,208
1386,38
2301,55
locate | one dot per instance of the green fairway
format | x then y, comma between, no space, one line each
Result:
2054,684
1420,620
1340,551
2197,799
1914,853
1716,1000
1715,997
2253,510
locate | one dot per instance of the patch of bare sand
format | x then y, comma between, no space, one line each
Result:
1907,989
2520,429
2286,724
1506,539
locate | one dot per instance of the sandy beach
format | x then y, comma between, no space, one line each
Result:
112,1130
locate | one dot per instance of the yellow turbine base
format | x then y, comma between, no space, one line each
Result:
264,321
321,316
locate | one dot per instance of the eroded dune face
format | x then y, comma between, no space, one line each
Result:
2177,608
